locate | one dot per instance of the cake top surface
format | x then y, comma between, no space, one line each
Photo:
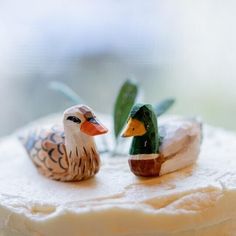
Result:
115,185
189,190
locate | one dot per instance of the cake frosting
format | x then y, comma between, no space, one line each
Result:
197,200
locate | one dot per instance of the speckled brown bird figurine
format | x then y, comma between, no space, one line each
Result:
69,154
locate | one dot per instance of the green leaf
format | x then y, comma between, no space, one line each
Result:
163,106
66,91
124,102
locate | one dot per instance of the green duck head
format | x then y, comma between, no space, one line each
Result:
142,125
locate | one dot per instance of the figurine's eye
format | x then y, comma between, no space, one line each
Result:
74,119
92,120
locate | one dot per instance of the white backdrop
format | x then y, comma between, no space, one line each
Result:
184,49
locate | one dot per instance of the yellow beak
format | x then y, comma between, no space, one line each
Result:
134,127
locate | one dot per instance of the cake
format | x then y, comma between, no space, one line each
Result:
197,200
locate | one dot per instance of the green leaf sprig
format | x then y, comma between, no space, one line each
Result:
163,106
68,92
124,102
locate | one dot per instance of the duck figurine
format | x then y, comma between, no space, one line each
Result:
158,150
68,154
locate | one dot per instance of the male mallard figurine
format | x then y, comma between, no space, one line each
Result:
151,155
69,154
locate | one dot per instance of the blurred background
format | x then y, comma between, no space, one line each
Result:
184,49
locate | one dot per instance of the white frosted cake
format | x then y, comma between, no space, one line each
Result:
197,200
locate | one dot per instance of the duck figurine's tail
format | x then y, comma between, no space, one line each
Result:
181,142
27,139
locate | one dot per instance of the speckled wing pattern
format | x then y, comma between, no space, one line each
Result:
46,148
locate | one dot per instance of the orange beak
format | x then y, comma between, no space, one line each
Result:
93,127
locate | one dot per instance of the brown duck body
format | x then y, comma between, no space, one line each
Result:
47,150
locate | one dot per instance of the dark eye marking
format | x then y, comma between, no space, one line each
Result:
92,120
74,119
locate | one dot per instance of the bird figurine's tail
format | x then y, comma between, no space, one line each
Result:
28,139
